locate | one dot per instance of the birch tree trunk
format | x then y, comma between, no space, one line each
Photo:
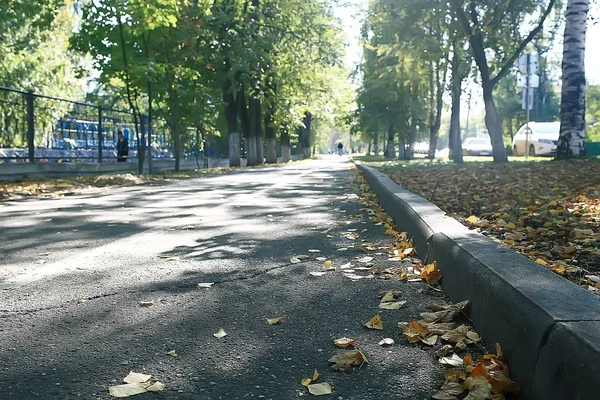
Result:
571,143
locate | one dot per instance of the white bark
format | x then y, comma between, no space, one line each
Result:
572,108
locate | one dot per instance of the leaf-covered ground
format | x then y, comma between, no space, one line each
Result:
53,188
547,211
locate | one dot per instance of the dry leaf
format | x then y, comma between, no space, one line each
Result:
386,342
344,360
146,303
274,321
447,314
430,340
414,331
220,334
375,323
431,274
314,250
479,388
344,342
454,360
472,219
172,353
388,297
295,260
448,391
136,377
306,382
319,389
392,305
155,387
128,389
317,273
206,284
327,263
456,335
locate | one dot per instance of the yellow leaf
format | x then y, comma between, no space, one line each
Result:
344,342
328,263
172,353
389,232
472,219
409,251
511,225
430,340
136,377
306,382
389,296
274,321
315,376
146,303
155,387
220,334
541,262
319,389
375,323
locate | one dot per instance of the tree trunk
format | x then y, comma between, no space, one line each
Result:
369,148
376,144
231,115
149,127
571,143
271,137
390,151
175,126
260,145
306,135
454,139
402,147
285,146
493,123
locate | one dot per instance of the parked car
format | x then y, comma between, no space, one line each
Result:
543,139
477,146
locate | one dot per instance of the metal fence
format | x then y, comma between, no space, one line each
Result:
41,128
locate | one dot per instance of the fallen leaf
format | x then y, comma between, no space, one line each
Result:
430,340
136,377
206,284
306,382
389,296
456,335
392,305
375,323
146,303
274,321
386,342
314,250
479,388
472,219
365,259
344,342
327,263
541,262
342,249
317,273
319,389
44,254
447,314
454,360
431,274
129,389
221,333
172,353
155,387
295,260
448,391
414,331
344,360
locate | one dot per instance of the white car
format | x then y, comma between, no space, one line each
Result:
477,146
542,141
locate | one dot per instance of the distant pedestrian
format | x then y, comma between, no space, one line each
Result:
122,148
340,148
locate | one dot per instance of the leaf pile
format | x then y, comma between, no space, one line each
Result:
547,211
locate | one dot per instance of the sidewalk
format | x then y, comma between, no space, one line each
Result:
78,268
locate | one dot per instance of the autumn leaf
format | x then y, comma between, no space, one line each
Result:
472,219
449,391
146,303
375,323
136,383
345,360
414,331
386,342
327,263
205,284
431,274
447,314
295,260
317,273
319,389
274,321
453,360
392,305
172,353
344,342
221,333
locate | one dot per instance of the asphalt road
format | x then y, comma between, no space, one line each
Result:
71,323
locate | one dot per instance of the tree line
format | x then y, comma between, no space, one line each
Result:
419,52
261,72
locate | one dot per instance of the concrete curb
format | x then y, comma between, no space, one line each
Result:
549,328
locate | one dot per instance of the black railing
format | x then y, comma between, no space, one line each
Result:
40,128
